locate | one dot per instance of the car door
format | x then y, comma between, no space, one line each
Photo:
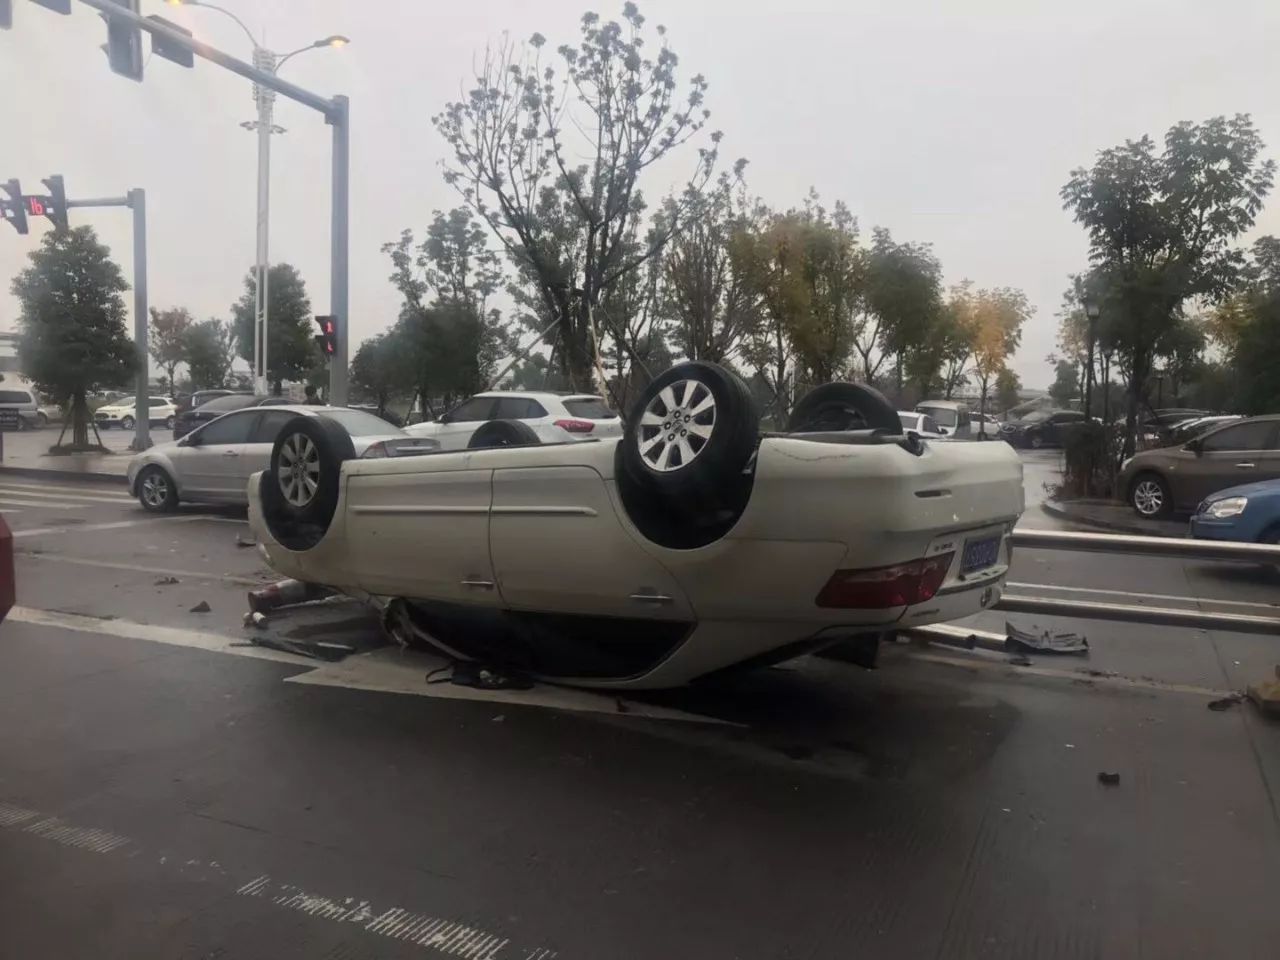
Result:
528,411
557,545
454,428
210,458
1227,457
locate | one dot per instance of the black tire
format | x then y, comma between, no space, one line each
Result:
156,490
127,423
42,419
168,422
503,433
306,461
843,406
708,436
1150,496
1035,441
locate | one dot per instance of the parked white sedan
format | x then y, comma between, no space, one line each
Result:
690,544
552,417
213,463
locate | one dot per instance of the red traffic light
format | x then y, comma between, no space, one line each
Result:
327,338
35,206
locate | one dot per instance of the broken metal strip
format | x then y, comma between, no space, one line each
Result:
1152,616
1145,546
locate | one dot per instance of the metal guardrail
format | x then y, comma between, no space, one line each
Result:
1146,546
1256,553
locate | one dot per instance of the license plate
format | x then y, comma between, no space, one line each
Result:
979,554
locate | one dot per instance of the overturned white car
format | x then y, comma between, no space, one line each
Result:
691,544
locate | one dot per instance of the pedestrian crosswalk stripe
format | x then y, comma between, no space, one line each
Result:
73,493
5,503
32,493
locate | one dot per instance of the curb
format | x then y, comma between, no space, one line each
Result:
48,473
1060,513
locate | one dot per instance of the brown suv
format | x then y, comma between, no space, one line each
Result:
1158,482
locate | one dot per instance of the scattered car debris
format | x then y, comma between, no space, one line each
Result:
1047,641
255,619
1266,695
241,542
315,649
201,607
1019,661
1225,703
1109,779
283,593
166,581
467,674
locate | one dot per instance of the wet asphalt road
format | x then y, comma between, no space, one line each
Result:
166,794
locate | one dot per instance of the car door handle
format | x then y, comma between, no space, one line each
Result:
481,584
1246,466
659,599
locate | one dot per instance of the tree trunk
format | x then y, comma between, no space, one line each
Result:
277,388
79,421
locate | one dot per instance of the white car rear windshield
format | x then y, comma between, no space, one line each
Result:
590,408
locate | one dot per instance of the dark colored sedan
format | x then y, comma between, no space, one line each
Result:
188,420
1043,428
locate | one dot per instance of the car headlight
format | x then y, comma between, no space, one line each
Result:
1227,507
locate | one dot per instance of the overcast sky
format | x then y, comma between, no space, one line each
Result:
945,121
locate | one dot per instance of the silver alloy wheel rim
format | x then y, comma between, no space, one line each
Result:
676,425
127,423
1148,498
1036,441
299,469
155,489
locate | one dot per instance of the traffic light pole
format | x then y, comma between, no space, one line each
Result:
136,200
335,112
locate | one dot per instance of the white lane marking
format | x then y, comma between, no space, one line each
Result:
47,504
55,494
139,568
1147,596
91,489
172,636
90,527
69,835
11,815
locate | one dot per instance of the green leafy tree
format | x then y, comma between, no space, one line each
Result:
1247,325
904,298
1065,382
378,370
519,139
210,351
290,348
1007,387
167,339
1162,228
73,337
998,319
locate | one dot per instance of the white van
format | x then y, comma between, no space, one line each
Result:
24,401
952,417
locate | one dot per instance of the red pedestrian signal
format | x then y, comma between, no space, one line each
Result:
35,206
327,338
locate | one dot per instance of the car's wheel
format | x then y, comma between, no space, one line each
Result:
306,460
1150,497
694,428
156,490
42,419
1035,441
168,422
503,433
843,406
126,423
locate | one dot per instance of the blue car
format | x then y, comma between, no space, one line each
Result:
1250,513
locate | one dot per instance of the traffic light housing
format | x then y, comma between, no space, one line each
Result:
327,338
124,43
15,210
57,208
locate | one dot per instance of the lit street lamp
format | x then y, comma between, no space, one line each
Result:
269,62
1092,311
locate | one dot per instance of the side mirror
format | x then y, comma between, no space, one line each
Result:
1195,446
190,440
944,431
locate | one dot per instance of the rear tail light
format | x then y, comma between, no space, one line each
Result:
576,426
900,585
374,450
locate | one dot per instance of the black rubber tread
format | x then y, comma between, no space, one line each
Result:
843,406
503,433
300,528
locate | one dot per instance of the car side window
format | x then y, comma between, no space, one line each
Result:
517,408
1257,435
158,402
269,425
233,428
929,425
477,408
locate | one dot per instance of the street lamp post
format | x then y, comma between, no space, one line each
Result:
1092,311
264,99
